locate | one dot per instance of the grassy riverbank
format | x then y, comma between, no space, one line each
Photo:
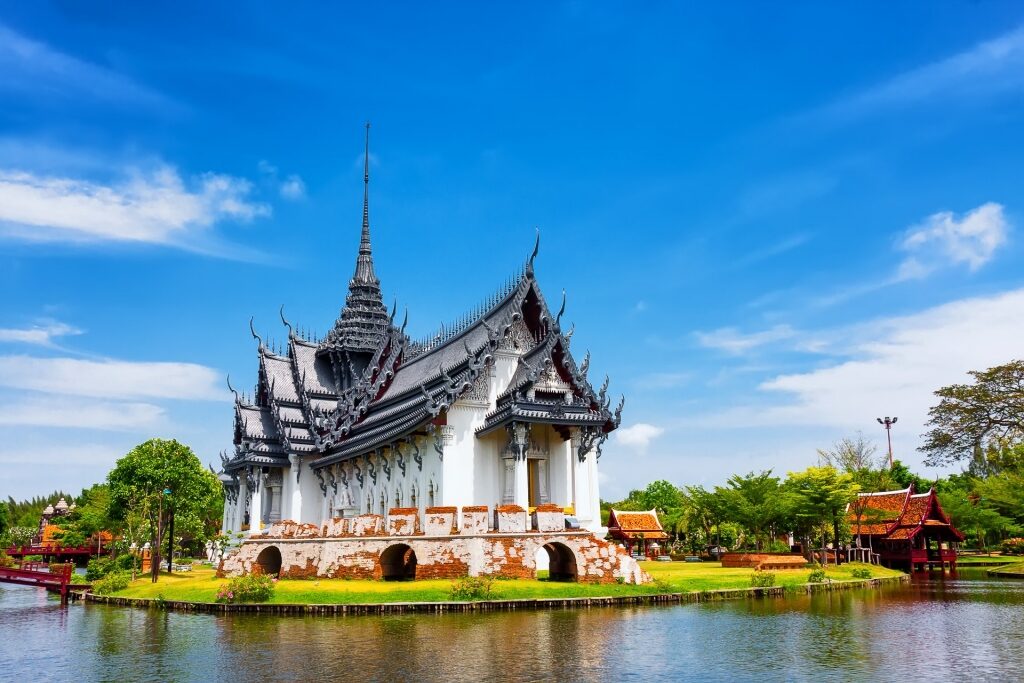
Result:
1015,569
201,585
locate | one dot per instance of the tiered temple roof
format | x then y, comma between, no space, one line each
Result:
626,525
366,384
900,515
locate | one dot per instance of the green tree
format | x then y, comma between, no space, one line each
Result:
975,516
5,522
820,496
139,479
969,418
755,502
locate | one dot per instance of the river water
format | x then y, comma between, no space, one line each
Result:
951,629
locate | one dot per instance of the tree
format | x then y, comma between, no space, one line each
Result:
4,519
852,454
755,502
974,515
820,497
971,417
139,479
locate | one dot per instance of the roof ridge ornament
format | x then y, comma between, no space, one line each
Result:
252,330
231,388
536,248
291,332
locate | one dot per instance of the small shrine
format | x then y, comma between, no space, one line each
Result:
640,529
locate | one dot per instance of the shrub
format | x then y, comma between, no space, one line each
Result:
777,546
861,573
760,579
1013,546
111,583
471,588
249,588
816,576
58,567
98,568
6,561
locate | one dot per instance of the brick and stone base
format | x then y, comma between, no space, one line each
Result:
371,549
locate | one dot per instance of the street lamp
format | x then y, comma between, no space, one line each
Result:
888,422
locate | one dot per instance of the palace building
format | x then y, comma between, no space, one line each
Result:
492,410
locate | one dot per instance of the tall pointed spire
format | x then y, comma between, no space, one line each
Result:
364,263
364,322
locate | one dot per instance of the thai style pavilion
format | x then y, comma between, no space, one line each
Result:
907,530
641,530
491,410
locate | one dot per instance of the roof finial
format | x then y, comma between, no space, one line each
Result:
364,242
287,324
536,248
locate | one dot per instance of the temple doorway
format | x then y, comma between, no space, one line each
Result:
398,563
269,562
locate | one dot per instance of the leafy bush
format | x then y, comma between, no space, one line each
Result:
760,579
861,573
777,546
471,588
249,588
6,561
816,576
111,583
1013,546
98,568
58,567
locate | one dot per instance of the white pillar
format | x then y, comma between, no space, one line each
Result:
522,483
256,504
243,493
295,504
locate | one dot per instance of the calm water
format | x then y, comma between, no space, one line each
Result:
953,629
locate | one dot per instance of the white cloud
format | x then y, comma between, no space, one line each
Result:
31,66
111,378
42,334
293,188
639,435
988,68
943,238
158,208
894,365
68,413
732,341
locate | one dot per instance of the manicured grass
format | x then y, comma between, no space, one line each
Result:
201,585
985,559
1014,568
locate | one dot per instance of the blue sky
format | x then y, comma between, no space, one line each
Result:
774,223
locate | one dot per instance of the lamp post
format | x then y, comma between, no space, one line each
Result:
888,422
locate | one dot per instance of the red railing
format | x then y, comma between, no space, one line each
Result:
32,574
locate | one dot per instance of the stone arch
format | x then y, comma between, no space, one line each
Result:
269,561
561,562
398,563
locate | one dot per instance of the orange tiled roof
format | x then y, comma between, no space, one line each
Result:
918,508
635,521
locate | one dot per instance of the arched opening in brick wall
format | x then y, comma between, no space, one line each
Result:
561,562
269,561
398,563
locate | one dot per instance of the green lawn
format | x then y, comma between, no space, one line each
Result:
984,559
201,585
1016,568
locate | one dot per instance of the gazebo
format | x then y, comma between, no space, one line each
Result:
641,529
906,529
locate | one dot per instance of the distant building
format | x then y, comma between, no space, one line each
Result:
491,410
640,530
907,530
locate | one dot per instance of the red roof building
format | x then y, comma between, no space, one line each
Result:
908,530
642,529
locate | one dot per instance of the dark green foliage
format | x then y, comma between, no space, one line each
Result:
249,588
860,573
760,579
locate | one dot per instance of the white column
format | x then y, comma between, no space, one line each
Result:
226,517
522,483
295,504
243,492
256,504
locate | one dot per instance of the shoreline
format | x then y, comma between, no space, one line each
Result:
1012,570
442,607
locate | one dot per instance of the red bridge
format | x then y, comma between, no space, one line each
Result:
52,551
38,574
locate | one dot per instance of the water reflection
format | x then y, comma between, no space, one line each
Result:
962,627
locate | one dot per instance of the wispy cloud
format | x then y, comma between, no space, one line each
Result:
70,413
638,436
158,208
31,66
730,340
41,334
891,364
115,379
943,239
986,69
290,187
